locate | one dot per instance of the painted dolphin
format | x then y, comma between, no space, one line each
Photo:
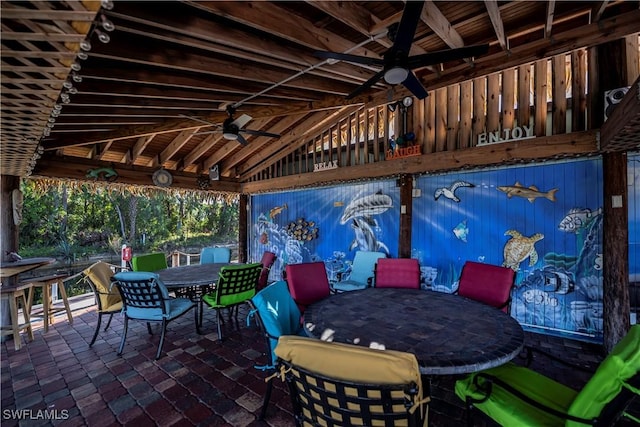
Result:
372,204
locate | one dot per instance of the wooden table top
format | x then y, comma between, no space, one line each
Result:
448,334
191,275
10,269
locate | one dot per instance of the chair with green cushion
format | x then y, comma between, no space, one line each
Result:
335,384
276,314
149,262
108,298
236,285
515,395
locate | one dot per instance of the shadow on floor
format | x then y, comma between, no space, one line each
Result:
197,381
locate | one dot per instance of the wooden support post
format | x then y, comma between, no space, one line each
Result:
406,202
243,236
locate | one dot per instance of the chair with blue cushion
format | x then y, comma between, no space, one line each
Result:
362,272
149,262
515,395
145,297
215,255
276,314
236,285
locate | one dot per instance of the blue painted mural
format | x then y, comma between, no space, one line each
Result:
543,221
328,224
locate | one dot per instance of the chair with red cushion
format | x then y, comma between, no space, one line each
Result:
397,273
308,283
268,258
490,284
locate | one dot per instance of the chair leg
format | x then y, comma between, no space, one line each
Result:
195,310
219,316
164,330
469,411
149,328
124,334
267,397
95,334
108,321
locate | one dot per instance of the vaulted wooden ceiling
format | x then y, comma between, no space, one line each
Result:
87,84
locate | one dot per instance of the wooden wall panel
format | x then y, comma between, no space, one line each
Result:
430,124
540,98
479,108
559,100
524,95
493,102
441,119
466,114
453,116
578,90
508,98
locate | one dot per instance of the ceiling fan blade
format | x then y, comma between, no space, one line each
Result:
242,120
407,27
441,56
241,140
413,84
198,120
366,85
260,133
350,58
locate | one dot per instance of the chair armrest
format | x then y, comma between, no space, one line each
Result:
491,381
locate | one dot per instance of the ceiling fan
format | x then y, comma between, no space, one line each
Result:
232,129
396,64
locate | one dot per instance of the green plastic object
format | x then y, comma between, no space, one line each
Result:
149,262
504,407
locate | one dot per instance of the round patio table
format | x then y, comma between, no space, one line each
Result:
193,281
448,334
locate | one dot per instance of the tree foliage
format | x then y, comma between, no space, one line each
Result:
64,221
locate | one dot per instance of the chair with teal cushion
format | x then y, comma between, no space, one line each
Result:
362,272
276,314
236,285
146,298
149,262
212,255
515,395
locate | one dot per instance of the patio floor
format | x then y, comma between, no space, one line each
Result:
197,381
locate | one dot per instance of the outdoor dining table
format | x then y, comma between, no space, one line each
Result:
448,334
193,281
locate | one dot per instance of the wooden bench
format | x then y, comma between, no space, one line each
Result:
48,308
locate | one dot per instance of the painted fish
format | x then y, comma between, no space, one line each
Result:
264,238
372,204
577,219
461,231
277,210
364,238
449,192
538,297
530,193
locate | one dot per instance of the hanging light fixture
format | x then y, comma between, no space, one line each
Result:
106,24
102,36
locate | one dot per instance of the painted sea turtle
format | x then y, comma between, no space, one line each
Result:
518,248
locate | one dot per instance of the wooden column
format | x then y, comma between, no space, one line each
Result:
608,61
243,235
406,202
8,237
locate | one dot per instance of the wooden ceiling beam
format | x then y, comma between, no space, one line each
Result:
496,21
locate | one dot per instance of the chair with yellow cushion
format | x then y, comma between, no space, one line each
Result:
514,395
108,298
335,384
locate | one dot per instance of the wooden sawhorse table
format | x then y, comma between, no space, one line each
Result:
46,283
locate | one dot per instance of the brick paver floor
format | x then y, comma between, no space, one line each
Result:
197,381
